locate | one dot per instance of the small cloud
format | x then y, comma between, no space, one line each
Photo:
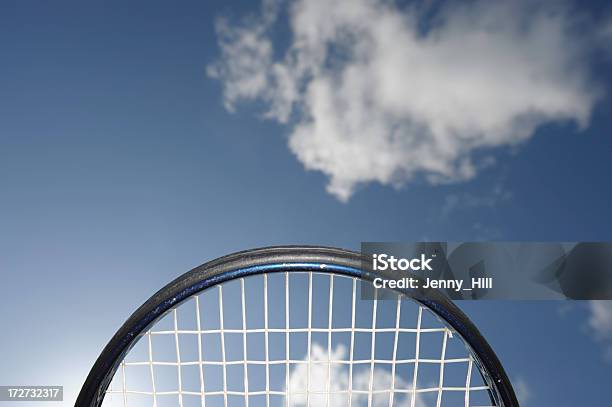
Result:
600,323
332,378
565,308
600,319
490,199
522,391
606,32
483,232
372,93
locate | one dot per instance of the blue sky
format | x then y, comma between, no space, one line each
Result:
120,168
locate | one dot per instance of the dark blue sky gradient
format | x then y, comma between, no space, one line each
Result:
120,169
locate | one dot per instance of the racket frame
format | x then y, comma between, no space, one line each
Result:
282,259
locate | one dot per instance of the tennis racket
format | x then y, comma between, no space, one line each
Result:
287,326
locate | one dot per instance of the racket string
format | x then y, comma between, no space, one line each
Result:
332,374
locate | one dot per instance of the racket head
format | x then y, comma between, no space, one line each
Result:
287,259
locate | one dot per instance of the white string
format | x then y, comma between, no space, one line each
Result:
352,350
299,392
308,392
124,384
287,327
293,330
329,338
244,344
373,348
300,361
467,382
266,340
199,327
202,387
441,379
416,357
178,358
423,390
224,365
150,347
394,357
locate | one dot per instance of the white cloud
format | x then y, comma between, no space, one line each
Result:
600,319
522,390
372,97
606,33
339,381
466,200
600,322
